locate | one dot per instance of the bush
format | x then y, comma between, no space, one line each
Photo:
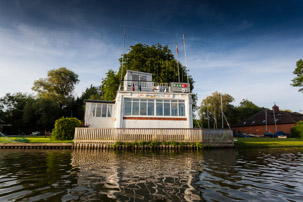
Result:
65,128
297,130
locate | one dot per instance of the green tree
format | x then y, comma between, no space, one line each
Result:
211,109
247,109
298,80
41,114
92,93
12,111
155,59
58,86
110,85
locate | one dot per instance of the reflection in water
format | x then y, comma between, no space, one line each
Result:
212,175
137,176
252,174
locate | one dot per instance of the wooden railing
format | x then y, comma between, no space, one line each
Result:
111,135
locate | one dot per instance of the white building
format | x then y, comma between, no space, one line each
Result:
142,103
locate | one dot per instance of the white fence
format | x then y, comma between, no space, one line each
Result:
209,137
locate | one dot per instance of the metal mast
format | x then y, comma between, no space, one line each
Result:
185,60
222,112
123,55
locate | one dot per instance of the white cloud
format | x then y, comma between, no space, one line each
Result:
28,53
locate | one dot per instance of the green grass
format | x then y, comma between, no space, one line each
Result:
268,142
34,139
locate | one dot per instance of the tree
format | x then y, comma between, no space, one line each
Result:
110,85
41,114
154,59
298,80
92,93
12,111
247,109
58,86
210,109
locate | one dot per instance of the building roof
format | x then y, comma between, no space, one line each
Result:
259,119
100,101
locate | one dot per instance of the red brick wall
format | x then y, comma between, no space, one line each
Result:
260,130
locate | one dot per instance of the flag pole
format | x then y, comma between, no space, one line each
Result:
123,54
222,112
185,60
178,62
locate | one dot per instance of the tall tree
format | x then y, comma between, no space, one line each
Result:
211,109
247,109
155,59
298,80
58,86
13,108
110,85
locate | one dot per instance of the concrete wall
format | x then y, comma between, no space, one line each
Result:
260,130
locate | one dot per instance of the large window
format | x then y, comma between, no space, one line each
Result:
153,107
101,110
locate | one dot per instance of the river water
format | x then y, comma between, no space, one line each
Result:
209,175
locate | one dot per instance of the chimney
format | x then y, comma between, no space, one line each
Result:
275,108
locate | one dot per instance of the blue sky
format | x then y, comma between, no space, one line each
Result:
245,48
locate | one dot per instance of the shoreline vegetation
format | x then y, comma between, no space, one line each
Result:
239,143
267,142
32,139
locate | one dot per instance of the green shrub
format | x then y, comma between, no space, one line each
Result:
153,143
65,128
297,130
199,145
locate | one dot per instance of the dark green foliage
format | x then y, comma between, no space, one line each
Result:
154,59
297,130
12,106
199,145
298,80
153,144
110,85
92,93
41,114
65,128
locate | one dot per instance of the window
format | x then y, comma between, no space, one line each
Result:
93,109
109,110
166,107
101,110
127,106
98,112
159,108
174,108
181,108
104,109
143,107
135,108
153,107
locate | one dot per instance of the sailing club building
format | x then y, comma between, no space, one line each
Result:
142,103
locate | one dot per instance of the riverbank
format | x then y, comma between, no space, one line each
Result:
32,139
267,142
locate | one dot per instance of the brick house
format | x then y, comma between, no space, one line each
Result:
268,121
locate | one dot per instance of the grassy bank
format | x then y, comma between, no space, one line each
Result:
268,142
33,139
